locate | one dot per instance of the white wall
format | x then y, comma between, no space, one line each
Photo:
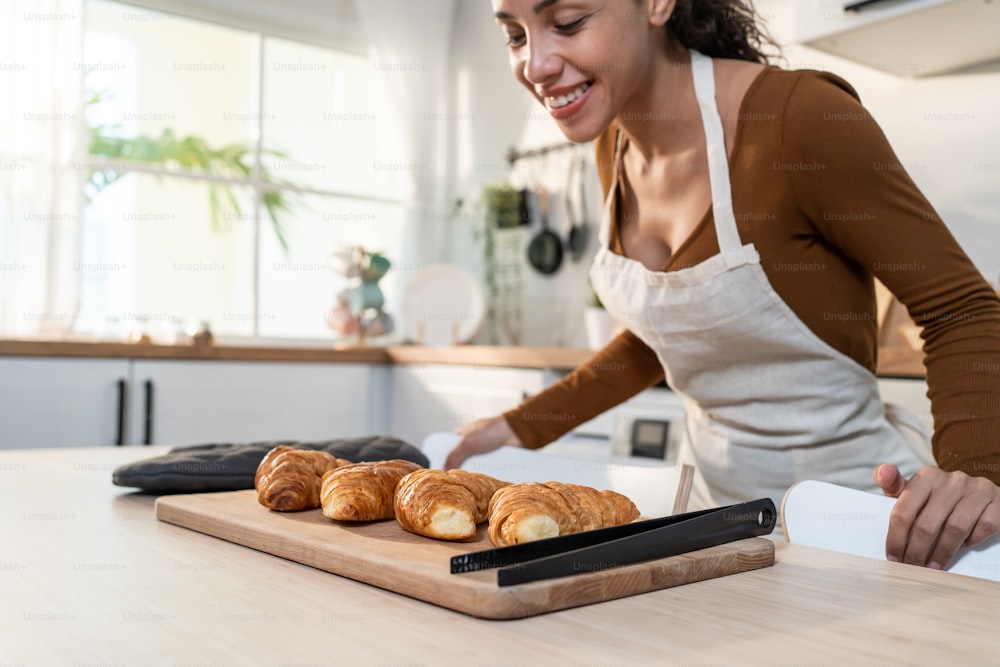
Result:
945,129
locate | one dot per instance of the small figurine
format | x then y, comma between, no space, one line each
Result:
203,336
358,311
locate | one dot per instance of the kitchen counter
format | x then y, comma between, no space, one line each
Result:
89,576
894,361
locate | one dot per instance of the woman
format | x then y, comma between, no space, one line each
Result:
748,209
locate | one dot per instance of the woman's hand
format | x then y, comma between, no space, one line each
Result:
936,513
480,437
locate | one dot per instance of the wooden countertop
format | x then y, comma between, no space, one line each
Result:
896,361
88,576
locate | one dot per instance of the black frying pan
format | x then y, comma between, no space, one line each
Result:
545,251
579,234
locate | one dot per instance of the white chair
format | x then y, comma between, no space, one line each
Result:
656,488
827,516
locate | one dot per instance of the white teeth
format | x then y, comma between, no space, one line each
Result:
563,100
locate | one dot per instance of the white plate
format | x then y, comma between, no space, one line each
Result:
442,305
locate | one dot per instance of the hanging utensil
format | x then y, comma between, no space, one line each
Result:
579,232
545,252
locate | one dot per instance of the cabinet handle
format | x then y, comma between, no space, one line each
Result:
120,434
147,431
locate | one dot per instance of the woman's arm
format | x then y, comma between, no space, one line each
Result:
621,370
898,237
625,367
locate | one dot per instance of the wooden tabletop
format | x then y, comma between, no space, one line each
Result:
896,361
88,576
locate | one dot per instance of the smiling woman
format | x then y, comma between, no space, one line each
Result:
726,251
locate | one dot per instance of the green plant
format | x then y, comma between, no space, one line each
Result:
503,204
191,154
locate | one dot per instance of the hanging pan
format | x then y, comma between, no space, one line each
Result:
545,251
579,232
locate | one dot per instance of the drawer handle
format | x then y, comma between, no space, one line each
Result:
120,433
147,437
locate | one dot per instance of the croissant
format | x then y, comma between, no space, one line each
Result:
534,511
289,479
363,491
444,505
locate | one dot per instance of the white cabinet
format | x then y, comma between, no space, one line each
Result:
430,398
57,402
69,402
192,402
902,37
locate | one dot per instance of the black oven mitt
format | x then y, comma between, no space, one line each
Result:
231,467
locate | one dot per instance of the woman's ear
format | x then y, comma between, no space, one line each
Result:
658,12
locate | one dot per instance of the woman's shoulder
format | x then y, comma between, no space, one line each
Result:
779,87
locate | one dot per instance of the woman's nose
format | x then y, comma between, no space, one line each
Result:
541,62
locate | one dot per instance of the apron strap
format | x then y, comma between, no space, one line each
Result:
718,162
604,231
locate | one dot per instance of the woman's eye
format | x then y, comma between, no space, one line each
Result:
515,39
571,26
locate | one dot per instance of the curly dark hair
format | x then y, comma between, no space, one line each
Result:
723,29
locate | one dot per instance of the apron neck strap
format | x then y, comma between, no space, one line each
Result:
703,73
604,231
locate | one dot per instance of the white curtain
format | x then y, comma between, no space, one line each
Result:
409,44
42,139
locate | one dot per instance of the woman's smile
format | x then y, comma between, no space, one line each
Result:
564,105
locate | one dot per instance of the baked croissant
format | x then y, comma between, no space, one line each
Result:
363,491
444,505
533,511
289,479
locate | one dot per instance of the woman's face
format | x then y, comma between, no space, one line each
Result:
583,60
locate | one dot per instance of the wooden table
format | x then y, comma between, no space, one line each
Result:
88,576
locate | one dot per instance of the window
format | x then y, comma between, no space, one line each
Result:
156,252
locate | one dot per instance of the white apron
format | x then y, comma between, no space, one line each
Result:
767,402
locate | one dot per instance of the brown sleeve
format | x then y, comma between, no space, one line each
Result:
621,370
614,374
857,194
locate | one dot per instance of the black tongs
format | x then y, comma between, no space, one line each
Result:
606,548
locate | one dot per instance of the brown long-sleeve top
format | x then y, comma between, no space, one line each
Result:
821,194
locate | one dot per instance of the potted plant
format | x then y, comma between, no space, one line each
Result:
598,323
501,206
191,154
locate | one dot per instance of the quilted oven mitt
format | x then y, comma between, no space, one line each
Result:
231,467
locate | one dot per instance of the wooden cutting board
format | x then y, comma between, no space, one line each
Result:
383,554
